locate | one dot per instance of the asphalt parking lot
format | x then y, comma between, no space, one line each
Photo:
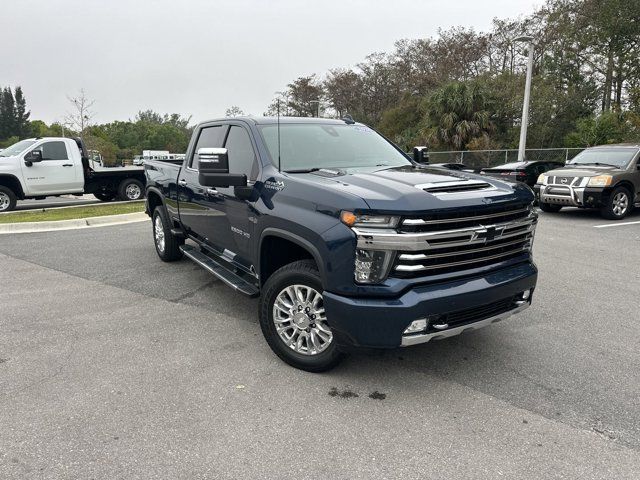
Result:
116,365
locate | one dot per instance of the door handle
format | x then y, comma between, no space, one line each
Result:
212,191
182,182
67,165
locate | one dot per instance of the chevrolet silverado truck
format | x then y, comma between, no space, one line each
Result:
347,240
53,166
605,177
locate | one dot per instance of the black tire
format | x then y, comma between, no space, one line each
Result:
169,251
549,207
614,210
8,199
105,196
130,190
305,273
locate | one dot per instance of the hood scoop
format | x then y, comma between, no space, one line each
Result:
454,187
329,172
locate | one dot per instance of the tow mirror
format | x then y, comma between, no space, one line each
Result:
421,155
213,169
34,156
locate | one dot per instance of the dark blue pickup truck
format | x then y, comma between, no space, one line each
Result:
348,241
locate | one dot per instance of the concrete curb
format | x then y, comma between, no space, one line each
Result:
76,224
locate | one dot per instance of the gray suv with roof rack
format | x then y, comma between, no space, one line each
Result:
605,177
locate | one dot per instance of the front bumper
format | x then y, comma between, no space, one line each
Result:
571,195
474,302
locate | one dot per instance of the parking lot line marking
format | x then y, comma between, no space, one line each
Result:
616,224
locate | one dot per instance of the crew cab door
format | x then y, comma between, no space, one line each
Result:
60,170
201,208
240,214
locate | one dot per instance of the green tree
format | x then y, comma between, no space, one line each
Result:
7,114
456,114
21,114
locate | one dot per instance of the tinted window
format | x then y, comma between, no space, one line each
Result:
53,151
241,156
329,145
210,137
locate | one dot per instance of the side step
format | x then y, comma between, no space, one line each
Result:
234,281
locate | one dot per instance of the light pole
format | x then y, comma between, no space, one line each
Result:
527,95
318,109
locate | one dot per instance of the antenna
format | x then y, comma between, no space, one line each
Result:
279,135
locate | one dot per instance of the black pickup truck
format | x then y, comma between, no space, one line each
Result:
348,241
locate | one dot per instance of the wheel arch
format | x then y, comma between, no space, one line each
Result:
12,182
154,200
275,237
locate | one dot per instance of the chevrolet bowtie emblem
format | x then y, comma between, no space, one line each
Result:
489,233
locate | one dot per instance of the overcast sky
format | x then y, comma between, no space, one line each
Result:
198,57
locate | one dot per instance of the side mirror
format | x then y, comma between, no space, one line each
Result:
421,155
213,169
34,156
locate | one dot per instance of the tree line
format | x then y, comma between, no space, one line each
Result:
463,89
460,89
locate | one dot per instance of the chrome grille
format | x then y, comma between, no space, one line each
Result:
465,241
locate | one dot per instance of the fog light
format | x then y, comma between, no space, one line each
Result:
416,326
526,294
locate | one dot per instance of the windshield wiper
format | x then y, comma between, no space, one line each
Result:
303,170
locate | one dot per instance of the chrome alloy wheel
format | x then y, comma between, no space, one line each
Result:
300,320
620,204
158,233
4,201
133,191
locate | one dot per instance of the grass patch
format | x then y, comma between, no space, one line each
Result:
71,213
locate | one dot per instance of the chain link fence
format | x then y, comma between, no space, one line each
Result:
490,158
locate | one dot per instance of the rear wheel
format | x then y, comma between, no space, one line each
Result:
618,205
293,319
8,199
131,189
549,207
167,244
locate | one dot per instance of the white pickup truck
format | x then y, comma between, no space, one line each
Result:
53,166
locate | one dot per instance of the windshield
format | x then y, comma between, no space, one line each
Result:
616,157
16,148
313,146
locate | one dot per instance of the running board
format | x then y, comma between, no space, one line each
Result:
234,281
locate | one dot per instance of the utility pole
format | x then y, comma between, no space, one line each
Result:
527,96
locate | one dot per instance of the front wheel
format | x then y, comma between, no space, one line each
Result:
549,207
293,320
8,199
131,189
618,205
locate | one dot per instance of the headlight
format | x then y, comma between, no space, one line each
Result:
372,266
542,178
600,181
373,221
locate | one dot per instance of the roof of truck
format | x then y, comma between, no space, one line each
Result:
274,120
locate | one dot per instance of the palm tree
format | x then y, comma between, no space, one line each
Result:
456,114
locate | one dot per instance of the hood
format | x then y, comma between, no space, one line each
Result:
582,171
416,189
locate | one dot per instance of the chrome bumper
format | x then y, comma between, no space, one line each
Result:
409,340
564,194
